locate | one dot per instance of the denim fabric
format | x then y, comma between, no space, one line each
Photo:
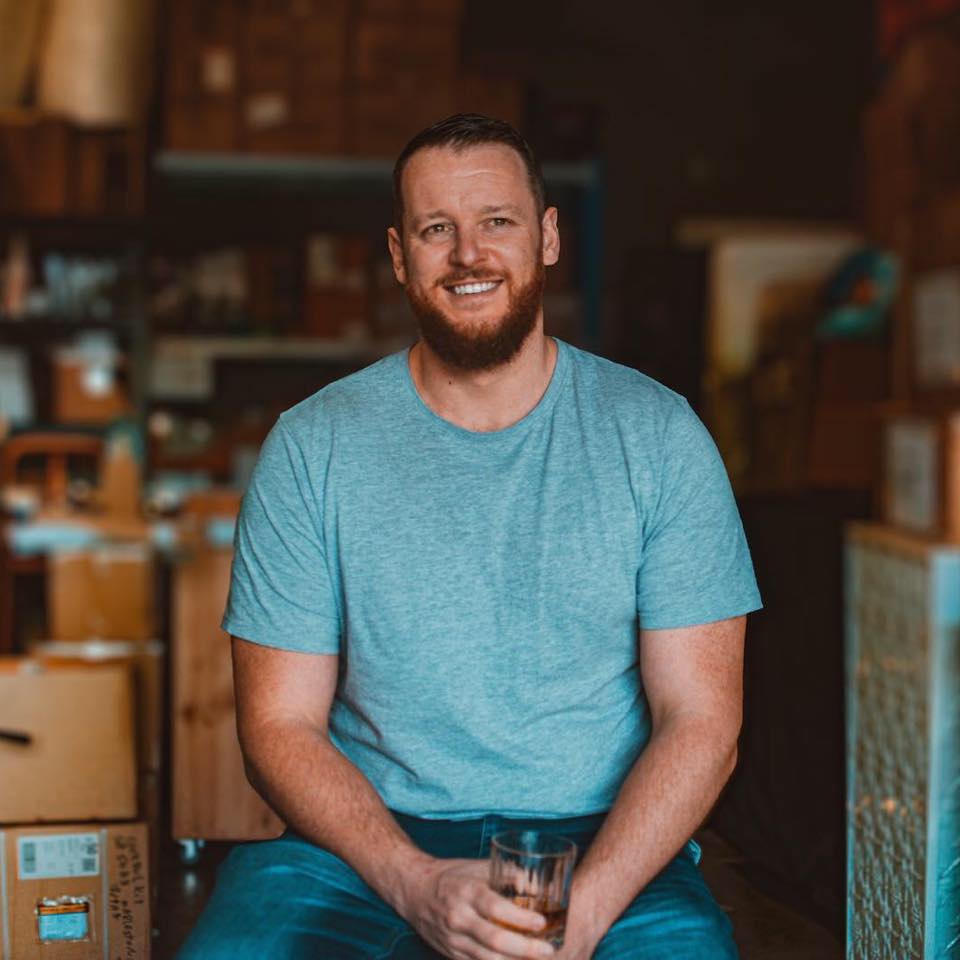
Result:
288,899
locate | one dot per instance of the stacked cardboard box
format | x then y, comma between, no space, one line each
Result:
402,72
293,57
405,73
320,77
143,660
202,78
50,167
267,76
67,757
103,592
75,892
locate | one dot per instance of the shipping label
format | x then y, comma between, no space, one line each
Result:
58,855
65,919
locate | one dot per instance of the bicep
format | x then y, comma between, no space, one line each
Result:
274,685
695,670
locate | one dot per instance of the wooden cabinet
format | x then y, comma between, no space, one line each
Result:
212,799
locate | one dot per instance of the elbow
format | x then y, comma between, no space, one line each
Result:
252,742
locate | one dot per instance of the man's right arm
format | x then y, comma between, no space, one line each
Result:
283,709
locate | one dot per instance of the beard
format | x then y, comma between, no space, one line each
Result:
487,348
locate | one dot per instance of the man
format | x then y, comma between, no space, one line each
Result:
492,581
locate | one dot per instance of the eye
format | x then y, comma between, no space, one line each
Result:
435,229
499,221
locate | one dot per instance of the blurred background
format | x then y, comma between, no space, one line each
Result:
759,206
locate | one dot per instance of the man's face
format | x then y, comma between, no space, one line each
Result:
472,252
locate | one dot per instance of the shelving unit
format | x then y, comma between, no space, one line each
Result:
339,192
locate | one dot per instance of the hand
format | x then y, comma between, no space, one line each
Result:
454,910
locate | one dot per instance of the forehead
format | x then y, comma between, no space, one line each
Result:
436,177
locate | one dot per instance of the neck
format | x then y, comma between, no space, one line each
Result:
485,400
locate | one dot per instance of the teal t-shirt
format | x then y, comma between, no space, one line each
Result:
484,590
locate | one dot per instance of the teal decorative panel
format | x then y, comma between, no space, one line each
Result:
903,747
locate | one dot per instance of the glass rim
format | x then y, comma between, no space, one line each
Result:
569,846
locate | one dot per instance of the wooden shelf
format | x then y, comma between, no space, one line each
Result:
230,168
16,332
182,367
276,348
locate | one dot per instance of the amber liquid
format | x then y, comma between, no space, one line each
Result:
553,913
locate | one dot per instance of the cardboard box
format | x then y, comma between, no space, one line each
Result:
75,892
433,9
319,47
78,763
203,123
385,49
101,593
202,46
380,122
493,96
921,491
35,163
304,139
109,172
145,661
81,396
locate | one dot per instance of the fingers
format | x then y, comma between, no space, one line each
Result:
501,928
504,911
487,941
470,921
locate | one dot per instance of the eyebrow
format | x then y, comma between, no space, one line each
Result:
485,211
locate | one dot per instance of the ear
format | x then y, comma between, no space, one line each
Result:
551,237
396,255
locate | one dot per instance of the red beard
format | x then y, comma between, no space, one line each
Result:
481,349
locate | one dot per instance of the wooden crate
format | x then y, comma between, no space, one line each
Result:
212,799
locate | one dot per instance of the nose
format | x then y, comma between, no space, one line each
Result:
466,251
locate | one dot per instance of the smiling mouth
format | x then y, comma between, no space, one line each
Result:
473,288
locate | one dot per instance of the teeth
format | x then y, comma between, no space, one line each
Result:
464,288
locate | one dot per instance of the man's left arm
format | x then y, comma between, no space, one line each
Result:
693,681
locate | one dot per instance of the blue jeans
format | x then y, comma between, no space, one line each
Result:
287,899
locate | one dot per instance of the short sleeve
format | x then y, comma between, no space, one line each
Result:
281,594
695,565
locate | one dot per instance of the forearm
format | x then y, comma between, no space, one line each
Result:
321,795
667,795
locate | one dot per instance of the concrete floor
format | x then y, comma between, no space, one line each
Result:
765,929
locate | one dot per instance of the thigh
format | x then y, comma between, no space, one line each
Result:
289,900
675,917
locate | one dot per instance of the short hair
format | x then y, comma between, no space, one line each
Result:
461,131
